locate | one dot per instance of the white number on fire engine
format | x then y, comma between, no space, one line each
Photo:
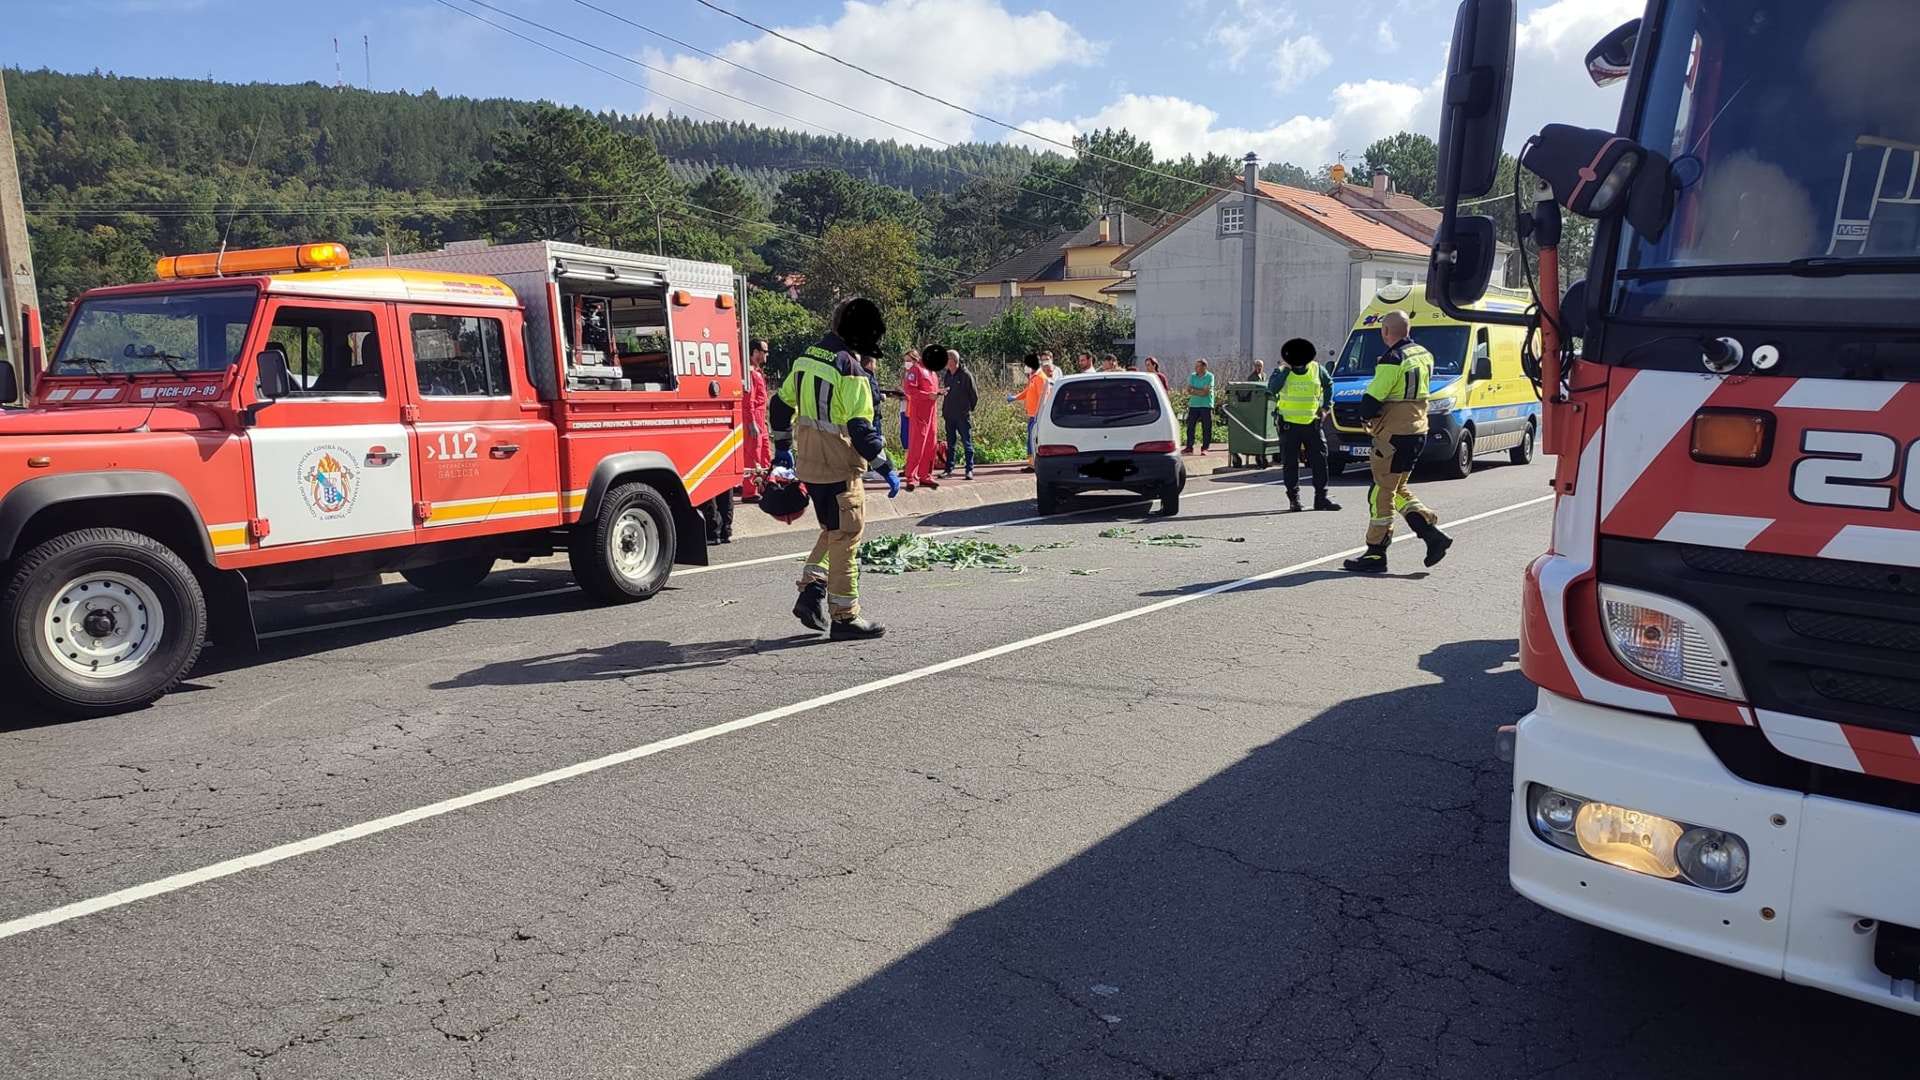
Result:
454,446
703,358
1852,470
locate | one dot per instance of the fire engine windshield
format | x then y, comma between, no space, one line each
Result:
165,332
1794,128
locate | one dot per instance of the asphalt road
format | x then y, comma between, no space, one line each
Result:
1125,822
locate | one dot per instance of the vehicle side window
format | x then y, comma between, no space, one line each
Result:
332,352
460,356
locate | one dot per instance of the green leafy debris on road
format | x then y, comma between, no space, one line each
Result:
1078,572
903,553
1169,540
1117,533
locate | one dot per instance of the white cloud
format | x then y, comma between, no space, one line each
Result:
915,41
1383,36
1550,85
1243,26
1297,60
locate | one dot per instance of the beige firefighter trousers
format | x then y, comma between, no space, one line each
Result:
835,557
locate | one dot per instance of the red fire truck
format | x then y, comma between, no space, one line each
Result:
1725,754
278,419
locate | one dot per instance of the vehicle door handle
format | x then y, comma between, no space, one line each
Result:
504,451
378,458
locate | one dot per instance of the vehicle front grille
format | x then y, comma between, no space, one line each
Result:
1822,638
1347,415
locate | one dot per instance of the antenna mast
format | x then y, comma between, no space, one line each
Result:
367,49
338,81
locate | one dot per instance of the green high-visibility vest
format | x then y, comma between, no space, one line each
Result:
822,397
1298,401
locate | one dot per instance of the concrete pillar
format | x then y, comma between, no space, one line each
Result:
1249,267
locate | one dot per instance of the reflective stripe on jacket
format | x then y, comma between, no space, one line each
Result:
1402,374
826,393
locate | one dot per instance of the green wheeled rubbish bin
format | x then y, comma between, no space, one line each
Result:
1253,433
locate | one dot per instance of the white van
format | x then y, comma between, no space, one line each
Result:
1107,431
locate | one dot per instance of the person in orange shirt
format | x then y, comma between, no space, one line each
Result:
1031,396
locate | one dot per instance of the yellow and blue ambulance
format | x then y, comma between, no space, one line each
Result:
1480,400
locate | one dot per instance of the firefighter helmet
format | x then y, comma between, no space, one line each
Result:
785,501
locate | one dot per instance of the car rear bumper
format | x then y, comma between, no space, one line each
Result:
1111,471
1823,875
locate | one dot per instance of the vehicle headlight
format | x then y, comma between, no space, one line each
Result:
1638,840
1668,642
1439,405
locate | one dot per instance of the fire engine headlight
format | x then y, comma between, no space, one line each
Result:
1638,840
1668,642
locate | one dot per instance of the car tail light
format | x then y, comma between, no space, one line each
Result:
1056,450
1153,448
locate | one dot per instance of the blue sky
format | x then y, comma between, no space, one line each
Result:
1306,81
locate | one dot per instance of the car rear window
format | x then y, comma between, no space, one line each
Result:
1097,403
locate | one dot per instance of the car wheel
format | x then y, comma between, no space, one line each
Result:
626,552
1461,464
452,576
1170,500
1523,454
102,621
1046,499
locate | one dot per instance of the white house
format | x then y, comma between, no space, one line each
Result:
1317,262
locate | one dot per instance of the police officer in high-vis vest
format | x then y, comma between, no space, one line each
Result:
1395,408
823,428
1302,396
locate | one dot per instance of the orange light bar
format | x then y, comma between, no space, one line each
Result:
254,261
681,298
725,301
1732,437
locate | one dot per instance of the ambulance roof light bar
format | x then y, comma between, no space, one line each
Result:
328,256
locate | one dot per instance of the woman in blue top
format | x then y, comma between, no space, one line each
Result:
1200,406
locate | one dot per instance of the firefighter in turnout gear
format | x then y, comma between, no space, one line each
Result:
1395,408
824,428
1302,396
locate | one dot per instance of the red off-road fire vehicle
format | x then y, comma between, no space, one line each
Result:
275,418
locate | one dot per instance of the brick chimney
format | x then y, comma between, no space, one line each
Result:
1009,286
1382,184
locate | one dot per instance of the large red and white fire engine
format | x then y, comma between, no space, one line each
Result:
1725,755
278,419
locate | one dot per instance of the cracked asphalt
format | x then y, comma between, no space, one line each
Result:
1261,834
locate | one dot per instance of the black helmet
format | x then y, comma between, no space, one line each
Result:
785,501
1297,352
857,322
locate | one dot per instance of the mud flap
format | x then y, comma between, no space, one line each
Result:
690,535
230,611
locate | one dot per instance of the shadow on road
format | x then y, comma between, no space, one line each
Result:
624,660
1335,904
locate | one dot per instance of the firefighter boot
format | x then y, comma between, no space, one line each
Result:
1437,542
811,608
1373,562
1321,502
856,629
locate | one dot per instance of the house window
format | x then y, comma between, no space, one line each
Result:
1033,290
1233,219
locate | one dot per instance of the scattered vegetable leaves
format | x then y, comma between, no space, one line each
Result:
903,553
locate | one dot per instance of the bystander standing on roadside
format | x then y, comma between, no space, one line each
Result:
1030,398
1259,372
1083,363
1200,407
957,410
920,392
1109,363
1153,366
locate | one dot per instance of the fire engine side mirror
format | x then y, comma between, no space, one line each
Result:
1482,365
1459,273
1611,59
275,377
9,383
1473,112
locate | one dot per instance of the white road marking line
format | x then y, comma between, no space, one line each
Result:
394,616
229,867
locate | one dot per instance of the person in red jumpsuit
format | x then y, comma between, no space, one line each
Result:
922,389
759,448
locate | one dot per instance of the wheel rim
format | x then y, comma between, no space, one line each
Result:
635,539
1466,453
1526,448
104,625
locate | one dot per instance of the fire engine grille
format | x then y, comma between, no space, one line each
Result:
1823,638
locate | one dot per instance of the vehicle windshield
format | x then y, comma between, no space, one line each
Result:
162,333
1096,403
1795,135
1448,344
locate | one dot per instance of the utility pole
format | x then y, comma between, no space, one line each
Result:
366,49
17,289
1249,266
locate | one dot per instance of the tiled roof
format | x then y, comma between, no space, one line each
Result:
1403,212
1045,261
1331,215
